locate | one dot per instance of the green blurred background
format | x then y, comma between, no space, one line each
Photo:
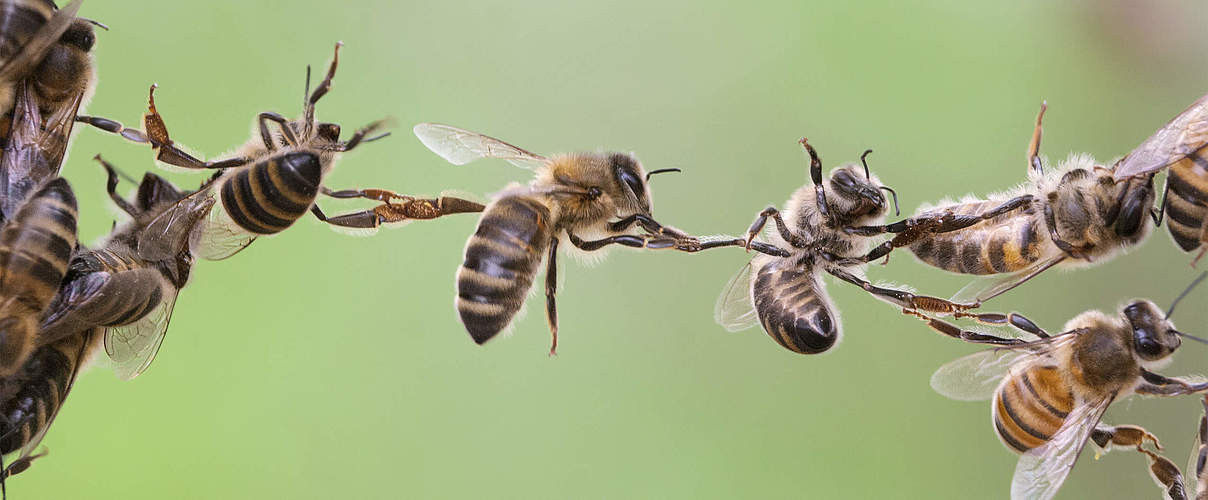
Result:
318,365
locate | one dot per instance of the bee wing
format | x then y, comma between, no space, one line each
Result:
459,146
976,376
57,131
1184,135
1199,453
132,347
32,52
984,289
1041,470
219,237
168,233
735,309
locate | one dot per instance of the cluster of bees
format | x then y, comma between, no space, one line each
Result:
62,302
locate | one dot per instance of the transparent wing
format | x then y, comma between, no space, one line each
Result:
168,233
219,237
1184,135
57,131
460,146
132,347
984,289
32,52
735,309
976,376
1199,455
1041,470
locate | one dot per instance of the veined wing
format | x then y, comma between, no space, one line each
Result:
219,237
735,310
132,347
976,376
1041,471
168,233
459,146
984,289
1183,136
33,51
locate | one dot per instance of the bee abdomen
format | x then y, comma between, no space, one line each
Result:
19,21
42,384
1030,407
501,260
1007,247
267,197
1187,203
794,310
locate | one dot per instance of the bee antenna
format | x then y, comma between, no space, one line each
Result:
94,23
661,171
1184,294
376,137
866,153
893,193
1192,337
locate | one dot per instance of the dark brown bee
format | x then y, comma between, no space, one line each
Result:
1050,394
785,292
35,248
1075,215
590,200
273,180
32,397
123,286
1182,145
46,60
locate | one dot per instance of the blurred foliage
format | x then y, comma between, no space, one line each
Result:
317,365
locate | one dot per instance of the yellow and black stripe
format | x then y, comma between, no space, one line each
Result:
792,306
1030,406
40,386
270,195
1187,201
1005,244
501,260
35,249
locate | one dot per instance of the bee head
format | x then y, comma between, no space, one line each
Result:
1154,337
852,196
629,190
66,67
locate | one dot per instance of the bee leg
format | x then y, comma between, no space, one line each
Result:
359,136
1166,474
648,224
282,123
903,299
166,150
1034,145
22,464
114,127
781,227
551,291
1123,435
324,86
1160,385
1050,220
819,186
998,319
634,241
1161,213
398,207
956,332
111,187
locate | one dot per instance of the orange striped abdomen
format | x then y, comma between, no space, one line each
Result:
270,195
35,249
1187,202
501,260
1002,245
793,307
1030,406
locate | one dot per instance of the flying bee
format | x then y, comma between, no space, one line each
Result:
45,59
785,291
1181,145
274,179
35,248
32,397
590,200
1049,394
1076,215
123,286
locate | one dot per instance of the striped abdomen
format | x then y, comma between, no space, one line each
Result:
1187,202
1030,406
793,307
1005,244
268,196
36,392
500,262
35,248
105,288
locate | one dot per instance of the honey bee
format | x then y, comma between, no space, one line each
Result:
45,60
35,248
274,179
783,289
123,286
589,200
1050,394
32,397
1182,145
1075,215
